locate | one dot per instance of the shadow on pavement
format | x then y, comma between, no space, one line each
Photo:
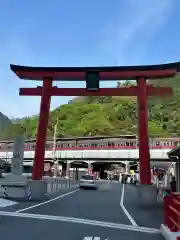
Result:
146,211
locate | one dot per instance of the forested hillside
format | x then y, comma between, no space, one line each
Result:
109,116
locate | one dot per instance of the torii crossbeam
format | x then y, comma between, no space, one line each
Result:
92,76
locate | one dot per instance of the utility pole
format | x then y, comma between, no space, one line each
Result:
54,147
54,140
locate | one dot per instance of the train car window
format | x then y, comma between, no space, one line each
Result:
6,168
9,147
131,144
122,143
27,169
162,143
4,147
109,144
157,143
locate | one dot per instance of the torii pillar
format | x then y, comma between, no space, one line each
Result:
143,130
92,76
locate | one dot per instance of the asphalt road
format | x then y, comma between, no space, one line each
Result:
76,215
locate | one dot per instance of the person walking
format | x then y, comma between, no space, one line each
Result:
173,185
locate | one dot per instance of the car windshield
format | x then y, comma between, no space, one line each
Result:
87,177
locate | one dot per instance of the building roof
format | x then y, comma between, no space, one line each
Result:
174,152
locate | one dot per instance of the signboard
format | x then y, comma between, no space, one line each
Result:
18,156
155,170
92,80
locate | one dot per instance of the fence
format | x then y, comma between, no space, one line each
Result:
54,184
172,212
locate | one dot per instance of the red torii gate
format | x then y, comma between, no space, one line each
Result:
92,76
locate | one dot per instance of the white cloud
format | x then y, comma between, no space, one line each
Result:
131,32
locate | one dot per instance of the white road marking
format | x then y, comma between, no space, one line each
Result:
81,221
125,210
6,202
51,200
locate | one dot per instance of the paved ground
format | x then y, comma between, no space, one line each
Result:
75,215
146,212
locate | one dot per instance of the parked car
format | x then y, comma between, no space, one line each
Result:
88,181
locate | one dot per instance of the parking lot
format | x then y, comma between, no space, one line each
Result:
111,212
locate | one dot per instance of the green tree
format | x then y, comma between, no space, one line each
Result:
90,115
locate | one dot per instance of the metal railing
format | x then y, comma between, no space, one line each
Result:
172,211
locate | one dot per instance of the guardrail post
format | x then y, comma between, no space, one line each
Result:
172,212
167,200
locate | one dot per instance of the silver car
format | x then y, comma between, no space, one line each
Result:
88,181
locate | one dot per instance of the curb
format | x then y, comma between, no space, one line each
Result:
167,234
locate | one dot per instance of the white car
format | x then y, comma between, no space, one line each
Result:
88,181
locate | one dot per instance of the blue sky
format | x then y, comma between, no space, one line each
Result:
81,33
